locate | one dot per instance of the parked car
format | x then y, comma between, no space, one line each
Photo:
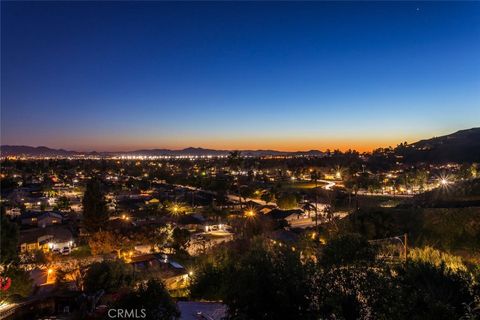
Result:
66,251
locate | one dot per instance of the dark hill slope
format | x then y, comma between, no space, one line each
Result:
461,146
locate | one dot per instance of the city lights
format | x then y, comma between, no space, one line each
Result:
244,161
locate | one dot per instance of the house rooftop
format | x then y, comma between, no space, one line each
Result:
41,214
58,232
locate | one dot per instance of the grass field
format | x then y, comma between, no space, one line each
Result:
302,185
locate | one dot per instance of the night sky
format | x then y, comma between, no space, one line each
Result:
287,76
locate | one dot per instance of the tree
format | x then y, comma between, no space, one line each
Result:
105,242
63,203
234,160
352,185
267,196
21,283
434,292
95,213
74,271
267,284
355,292
162,237
208,282
41,258
347,249
421,179
309,207
9,239
287,201
181,239
256,281
153,298
245,192
108,275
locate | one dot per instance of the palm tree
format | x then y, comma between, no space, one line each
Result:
351,184
309,207
267,196
314,176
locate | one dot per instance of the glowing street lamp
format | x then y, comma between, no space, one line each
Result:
250,213
176,208
50,275
338,175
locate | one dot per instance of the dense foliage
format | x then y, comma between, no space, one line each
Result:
446,229
9,239
108,276
21,283
343,281
154,298
95,214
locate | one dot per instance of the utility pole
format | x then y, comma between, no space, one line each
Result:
405,247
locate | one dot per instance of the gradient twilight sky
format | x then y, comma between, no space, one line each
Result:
287,76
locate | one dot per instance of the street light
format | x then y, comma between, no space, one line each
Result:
50,275
250,213
404,243
338,175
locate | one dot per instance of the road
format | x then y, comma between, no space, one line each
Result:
372,194
328,184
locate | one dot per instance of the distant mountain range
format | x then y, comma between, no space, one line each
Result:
7,150
463,145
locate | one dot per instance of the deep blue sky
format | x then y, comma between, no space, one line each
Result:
126,75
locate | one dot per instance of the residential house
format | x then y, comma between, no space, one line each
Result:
48,238
41,219
288,215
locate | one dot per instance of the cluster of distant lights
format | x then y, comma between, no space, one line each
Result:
122,157
144,157
140,157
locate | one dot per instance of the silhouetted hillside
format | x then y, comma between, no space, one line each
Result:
28,151
461,146
7,150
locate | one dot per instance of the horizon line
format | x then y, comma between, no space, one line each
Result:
129,149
